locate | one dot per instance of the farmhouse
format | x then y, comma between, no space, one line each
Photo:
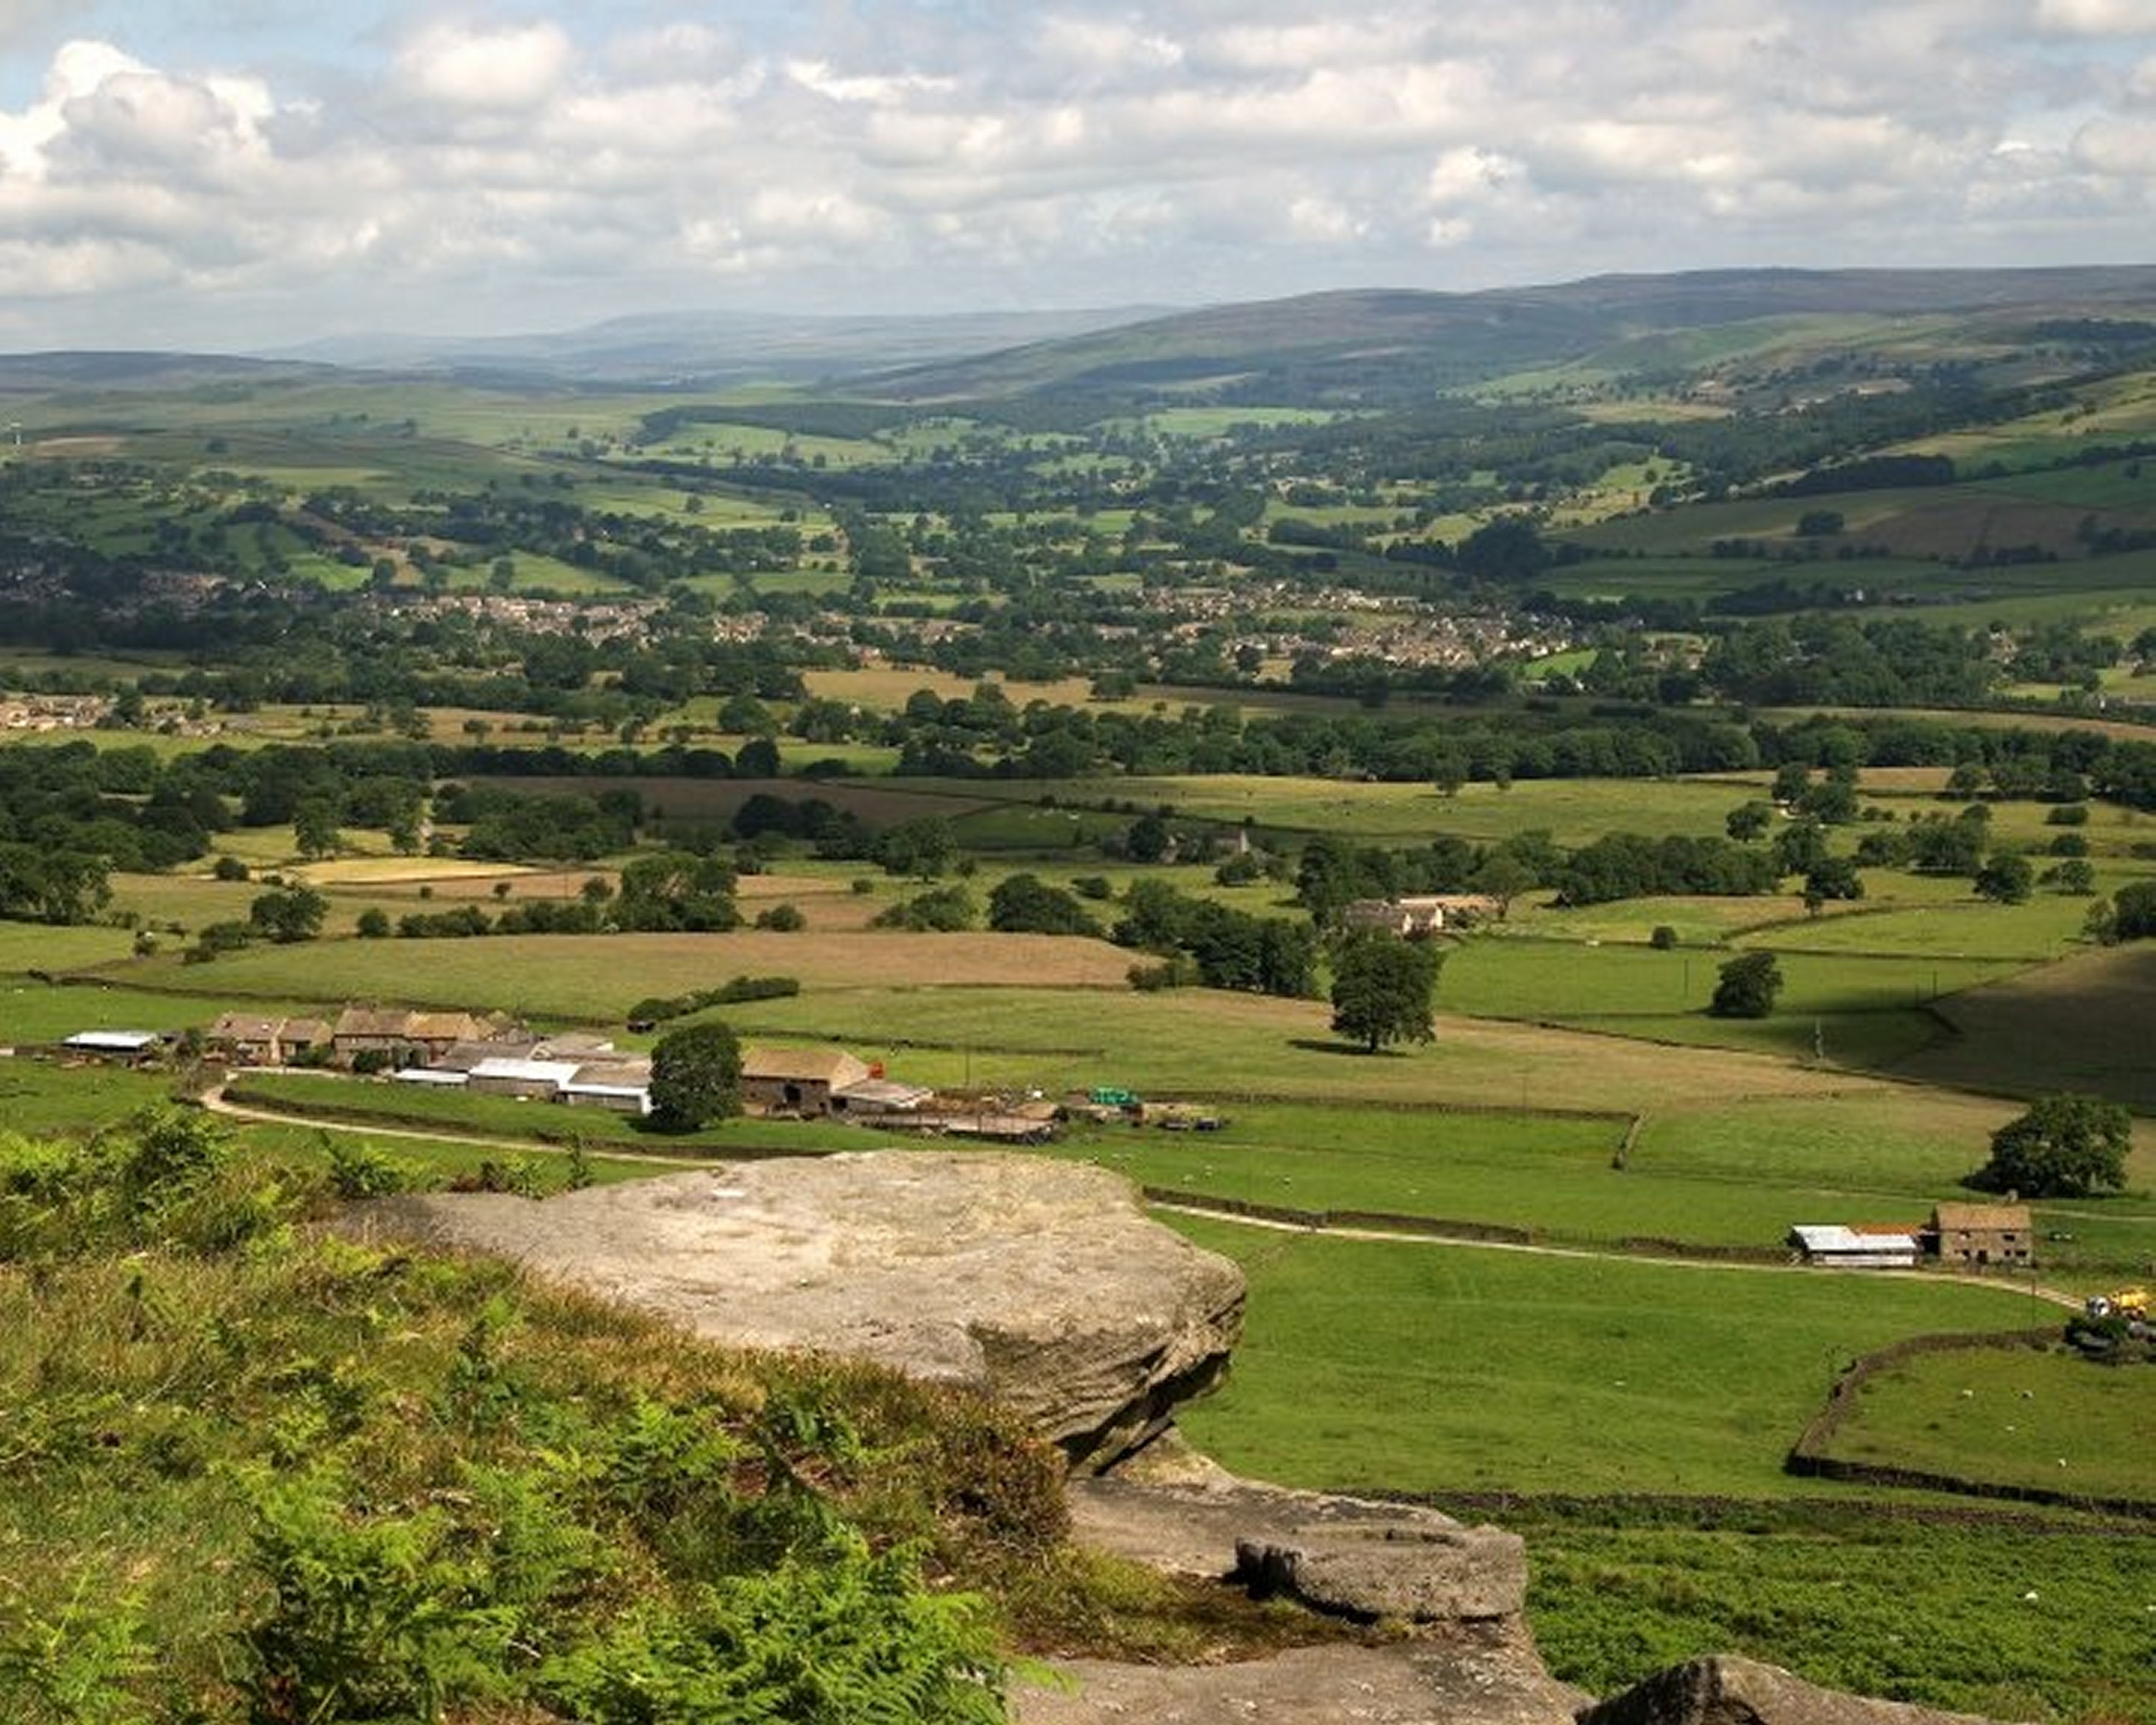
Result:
248,1039
798,1080
1837,1247
1976,1235
1428,913
402,1035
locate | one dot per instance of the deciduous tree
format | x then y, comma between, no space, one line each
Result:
2065,1146
1382,990
695,1077
1747,987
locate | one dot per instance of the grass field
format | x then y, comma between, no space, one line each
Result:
1440,1368
1574,811
595,978
2009,1618
2045,1418
1864,1009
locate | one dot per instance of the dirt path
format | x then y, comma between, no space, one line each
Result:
215,1100
2056,1296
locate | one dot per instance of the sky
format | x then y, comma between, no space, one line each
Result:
234,175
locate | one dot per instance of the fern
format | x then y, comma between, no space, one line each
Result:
840,1637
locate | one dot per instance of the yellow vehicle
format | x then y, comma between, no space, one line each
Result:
2121,1303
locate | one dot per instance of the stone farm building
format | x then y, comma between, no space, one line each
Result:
815,1082
1425,914
402,1035
805,1081
1977,1234
251,1039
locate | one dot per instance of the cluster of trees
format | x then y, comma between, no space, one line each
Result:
940,910
1225,948
1620,865
38,884
97,810
1025,903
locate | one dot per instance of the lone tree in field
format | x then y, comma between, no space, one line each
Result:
695,1078
1382,990
2065,1146
1748,985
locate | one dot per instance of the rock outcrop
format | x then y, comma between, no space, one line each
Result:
1483,1676
1041,1283
1726,1689
1346,1556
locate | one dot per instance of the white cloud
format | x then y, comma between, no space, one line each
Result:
471,171
1096,46
2123,149
2098,17
515,68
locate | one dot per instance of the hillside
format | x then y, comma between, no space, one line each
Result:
1386,346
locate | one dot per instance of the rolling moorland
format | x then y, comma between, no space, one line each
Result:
1043,716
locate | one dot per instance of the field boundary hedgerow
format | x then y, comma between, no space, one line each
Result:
1807,1458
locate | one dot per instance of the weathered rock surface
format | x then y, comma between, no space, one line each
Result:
1343,1555
1042,1283
1465,1657
1487,1675
1729,1691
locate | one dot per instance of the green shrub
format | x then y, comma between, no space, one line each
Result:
852,1639
360,1171
944,910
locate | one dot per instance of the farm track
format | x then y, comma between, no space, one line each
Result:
2054,1296
215,1102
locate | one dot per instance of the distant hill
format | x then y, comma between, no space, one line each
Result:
704,348
1357,347
44,373
1383,345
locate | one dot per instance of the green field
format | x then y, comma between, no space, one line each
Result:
2049,1420
2009,1618
1860,1009
1370,1364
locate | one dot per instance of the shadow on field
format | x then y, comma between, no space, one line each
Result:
2081,1024
1328,1046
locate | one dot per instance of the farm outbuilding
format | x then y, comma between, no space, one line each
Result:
402,1035
433,1077
880,1096
622,1086
797,1081
507,1076
1834,1246
119,1044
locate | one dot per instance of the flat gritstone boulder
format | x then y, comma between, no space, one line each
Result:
1041,1283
